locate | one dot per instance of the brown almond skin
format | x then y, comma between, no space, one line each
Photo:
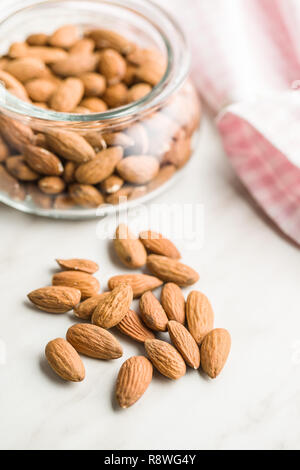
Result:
85,195
138,91
40,89
83,46
86,309
67,95
112,66
4,150
115,95
133,380
152,312
15,133
173,302
65,36
215,349
156,243
164,174
63,202
64,360
93,341
112,184
70,145
75,65
138,169
100,167
129,249
55,299
37,39
165,358
115,306
132,326
87,284
77,264
17,167
42,161
105,38
94,104
39,198
51,185
185,343
13,85
26,68
94,84
171,270
139,283
199,315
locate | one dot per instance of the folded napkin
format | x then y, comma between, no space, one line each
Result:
246,64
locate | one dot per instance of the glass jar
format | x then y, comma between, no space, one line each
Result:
157,133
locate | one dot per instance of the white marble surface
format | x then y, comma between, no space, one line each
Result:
250,272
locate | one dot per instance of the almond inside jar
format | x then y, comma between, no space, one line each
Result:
70,72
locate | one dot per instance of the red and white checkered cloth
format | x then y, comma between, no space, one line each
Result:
246,64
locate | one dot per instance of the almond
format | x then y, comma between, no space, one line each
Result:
69,172
87,284
93,341
200,315
68,95
185,343
55,299
112,66
138,169
152,312
76,264
132,326
37,39
51,185
75,65
96,140
151,72
156,243
86,309
173,302
171,270
13,85
70,145
94,104
115,95
139,56
139,283
46,54
17,167
65,36
112,184
179,153
215,349
11,185
26,68
101,167
15,133
129,248
115,306
165,358
105,38
40,89
42,161
133,380
86,195
94,84
4,150
83,46
64,360
138,91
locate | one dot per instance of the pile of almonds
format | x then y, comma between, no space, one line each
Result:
197,344
58,168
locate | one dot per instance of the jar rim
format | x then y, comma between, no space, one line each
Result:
170,82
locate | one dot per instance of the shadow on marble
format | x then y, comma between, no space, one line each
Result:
50,374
